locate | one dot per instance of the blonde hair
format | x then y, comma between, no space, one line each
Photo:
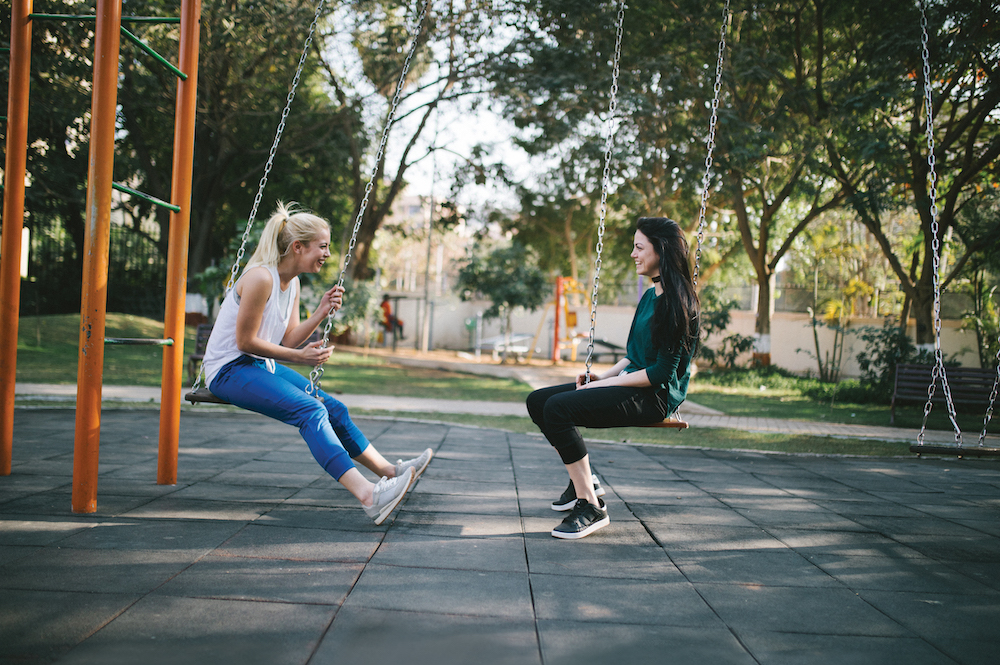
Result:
285,226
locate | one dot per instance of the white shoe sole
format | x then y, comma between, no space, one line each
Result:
388,508
599,524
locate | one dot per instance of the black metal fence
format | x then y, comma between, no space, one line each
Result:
136,273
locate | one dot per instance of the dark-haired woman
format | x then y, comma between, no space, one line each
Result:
641,389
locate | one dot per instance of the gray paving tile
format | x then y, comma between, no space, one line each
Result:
898,574
172,507
443,591
412,548
502,491
38,626
259,541
674,514
820,611
458,524
626,601
600,558
747,567
948,616
153,535
271,580
570,643
104,571
169,630
796,648
358,636
465,504
314,517
707,538
40,530
844,543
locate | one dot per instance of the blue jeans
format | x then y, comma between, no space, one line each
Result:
326,426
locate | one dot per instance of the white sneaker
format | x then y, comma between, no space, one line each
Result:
387,494
418,464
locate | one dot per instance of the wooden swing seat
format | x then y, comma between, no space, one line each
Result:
960,451
672,423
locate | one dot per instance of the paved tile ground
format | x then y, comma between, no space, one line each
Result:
711,557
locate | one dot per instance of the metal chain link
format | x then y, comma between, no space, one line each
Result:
939,369
605,181
317,372
270,161
993,398
706,179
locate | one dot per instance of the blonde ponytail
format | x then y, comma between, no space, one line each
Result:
284,227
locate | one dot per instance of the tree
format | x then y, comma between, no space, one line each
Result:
508,277
888,134
447,67
248,55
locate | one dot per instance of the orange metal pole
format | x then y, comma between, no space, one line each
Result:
555,339
97,235
177,253
13,219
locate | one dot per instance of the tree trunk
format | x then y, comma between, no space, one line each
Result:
762,327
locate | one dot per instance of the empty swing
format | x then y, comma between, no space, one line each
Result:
938,371
202,394
673,421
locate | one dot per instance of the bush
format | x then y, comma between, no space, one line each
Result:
886,347
772,377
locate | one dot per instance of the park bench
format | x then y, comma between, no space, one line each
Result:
971,386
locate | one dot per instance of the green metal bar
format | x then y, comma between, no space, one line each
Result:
138,341
145,197
91,17
156,56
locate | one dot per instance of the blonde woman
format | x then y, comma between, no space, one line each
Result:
258,328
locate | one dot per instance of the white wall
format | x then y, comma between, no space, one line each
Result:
789,332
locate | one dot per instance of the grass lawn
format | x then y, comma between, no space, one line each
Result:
722,439
55,361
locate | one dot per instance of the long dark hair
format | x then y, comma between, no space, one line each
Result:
675,319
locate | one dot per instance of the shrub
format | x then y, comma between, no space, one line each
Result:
886,347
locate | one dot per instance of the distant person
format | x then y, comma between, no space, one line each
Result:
641,389
258,324
389,321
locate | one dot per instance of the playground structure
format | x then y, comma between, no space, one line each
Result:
97,232
100,183
570,295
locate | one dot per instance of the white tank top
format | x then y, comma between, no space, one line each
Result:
222,349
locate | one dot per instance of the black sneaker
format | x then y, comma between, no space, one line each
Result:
567,500
584,520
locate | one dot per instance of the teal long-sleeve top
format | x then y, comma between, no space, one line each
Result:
667,371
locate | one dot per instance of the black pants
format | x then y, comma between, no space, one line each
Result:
558,410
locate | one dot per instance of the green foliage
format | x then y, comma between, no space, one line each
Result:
508,277
715,318
885,348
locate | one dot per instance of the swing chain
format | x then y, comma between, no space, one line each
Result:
270,161
274,146
316,374
993,398
713,122
605,180
939,369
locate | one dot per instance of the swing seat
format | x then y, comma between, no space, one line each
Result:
960,451
203,396
672,423
206,396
